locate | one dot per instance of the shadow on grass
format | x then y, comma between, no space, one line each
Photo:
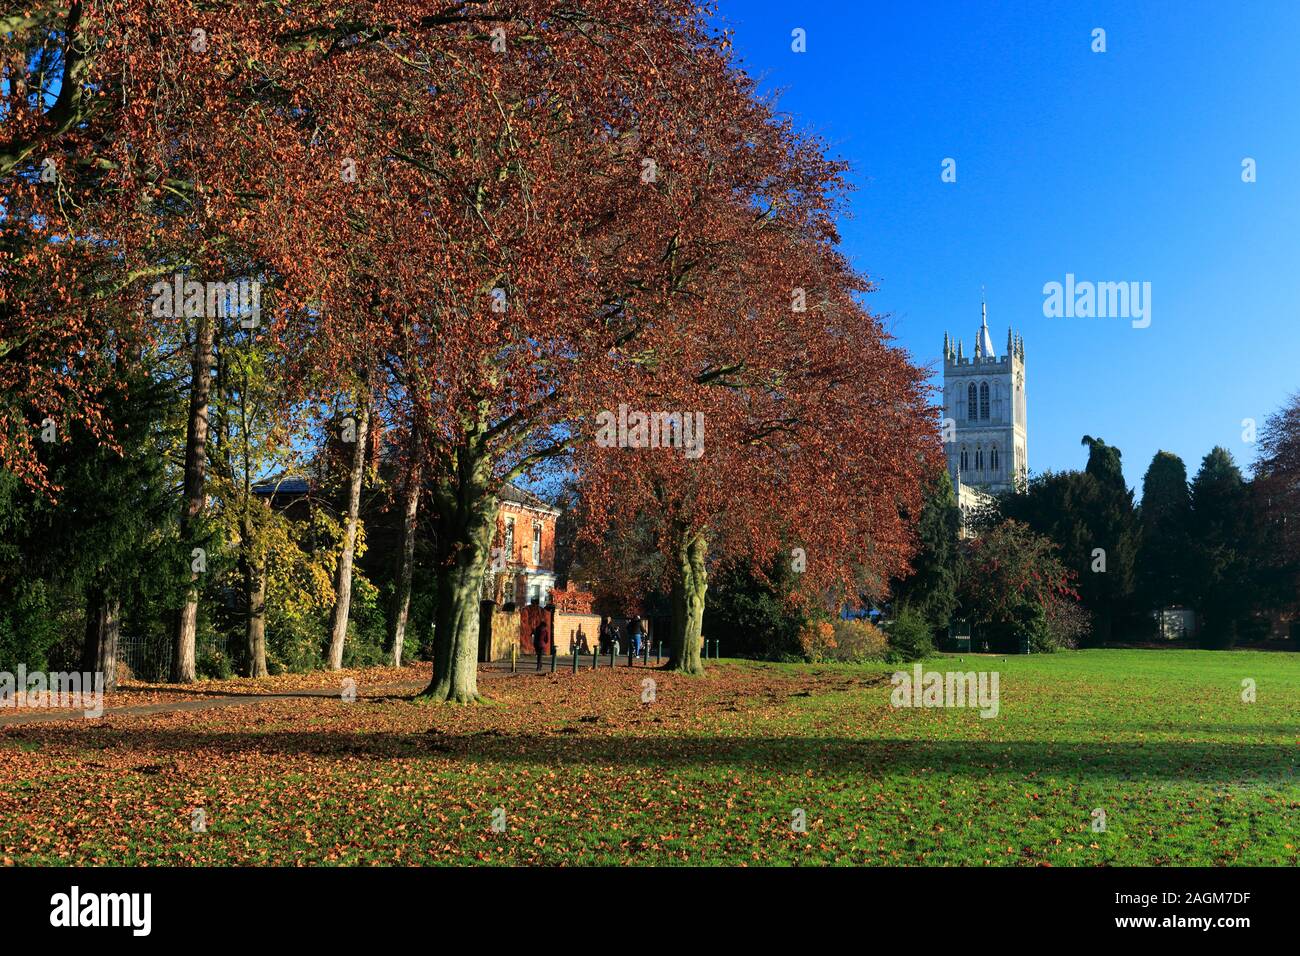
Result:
1207,762
398,689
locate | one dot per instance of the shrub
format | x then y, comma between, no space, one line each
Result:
212,659
909,637
367,626
859,640
27,626
756,618
1065,622
817,640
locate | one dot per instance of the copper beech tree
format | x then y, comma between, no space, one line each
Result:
778,423
486,217
489,221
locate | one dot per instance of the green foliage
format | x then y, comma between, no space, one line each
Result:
212,662
1014,579
1166,521
754,616
367,626
910,637
931,589
1222,546
28,627
107,526
1090,516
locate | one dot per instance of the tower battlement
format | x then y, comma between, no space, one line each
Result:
985,412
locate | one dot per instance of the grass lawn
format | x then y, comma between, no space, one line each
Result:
709,773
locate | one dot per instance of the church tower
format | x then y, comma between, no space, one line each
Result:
984,409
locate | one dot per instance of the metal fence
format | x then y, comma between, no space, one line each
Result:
148,659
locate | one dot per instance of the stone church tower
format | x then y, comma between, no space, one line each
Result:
985,427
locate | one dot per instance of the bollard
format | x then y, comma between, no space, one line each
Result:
645,654
575,660
552,658
595,656
514,657
612,651
659,651
629,655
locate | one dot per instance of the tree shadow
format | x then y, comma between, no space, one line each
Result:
573,746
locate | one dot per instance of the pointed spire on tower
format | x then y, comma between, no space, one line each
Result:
1011,346
946,354
984,341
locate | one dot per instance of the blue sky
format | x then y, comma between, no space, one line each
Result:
1117,166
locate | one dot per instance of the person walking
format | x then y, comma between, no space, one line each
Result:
634,635
540,641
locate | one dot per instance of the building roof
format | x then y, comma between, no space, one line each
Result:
513,494
283,485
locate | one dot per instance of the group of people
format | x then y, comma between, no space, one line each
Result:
611,637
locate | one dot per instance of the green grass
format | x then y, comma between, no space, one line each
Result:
711,773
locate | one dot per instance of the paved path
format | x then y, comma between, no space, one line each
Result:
527,663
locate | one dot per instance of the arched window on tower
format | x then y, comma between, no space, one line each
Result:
965,461
993,459
979,459
984,401
972,403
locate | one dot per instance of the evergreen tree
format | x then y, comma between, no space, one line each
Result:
97,552
931,589
1165,518
1222,582
1090,516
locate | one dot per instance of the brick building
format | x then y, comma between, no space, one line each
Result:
523,555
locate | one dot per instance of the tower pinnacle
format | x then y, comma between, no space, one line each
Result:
983,340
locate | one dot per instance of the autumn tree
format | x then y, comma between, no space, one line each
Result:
807,437
495,228
1017,588
1276,506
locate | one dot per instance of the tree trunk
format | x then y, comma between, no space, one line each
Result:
343,574
406,567
255,595
103,622
466,524
196,463
689,586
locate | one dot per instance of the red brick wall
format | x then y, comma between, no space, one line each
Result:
523,546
